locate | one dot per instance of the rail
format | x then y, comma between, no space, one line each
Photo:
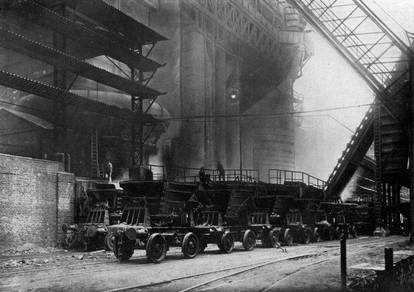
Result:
281,176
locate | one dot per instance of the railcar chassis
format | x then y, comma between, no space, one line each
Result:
137,233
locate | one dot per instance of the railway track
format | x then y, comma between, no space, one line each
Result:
238,270
79,263
301,269
25,270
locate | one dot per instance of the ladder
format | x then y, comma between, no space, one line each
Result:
95,169
382,59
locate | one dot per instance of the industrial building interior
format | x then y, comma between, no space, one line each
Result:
174,85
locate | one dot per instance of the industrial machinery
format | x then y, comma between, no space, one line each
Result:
187,215
342,217
158,218
363,219
323,229
222,216
383,60
158,215
295,230
104,209
260,219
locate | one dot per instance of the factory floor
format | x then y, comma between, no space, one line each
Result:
313,267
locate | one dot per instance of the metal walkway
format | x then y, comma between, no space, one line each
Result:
382,59
51,92
99,41
37,50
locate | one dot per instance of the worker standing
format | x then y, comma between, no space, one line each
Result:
202,175
108,170
221,172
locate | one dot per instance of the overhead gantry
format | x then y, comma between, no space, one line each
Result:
383,60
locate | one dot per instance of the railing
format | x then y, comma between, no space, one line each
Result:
191,174
281,176
188,174
158,171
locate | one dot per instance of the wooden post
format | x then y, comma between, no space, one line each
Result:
411,143
343,261
389,260
389,265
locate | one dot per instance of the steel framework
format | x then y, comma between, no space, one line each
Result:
100,30
257,23
382,59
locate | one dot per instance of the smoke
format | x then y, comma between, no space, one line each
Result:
116,184
124,175
327,81
350,188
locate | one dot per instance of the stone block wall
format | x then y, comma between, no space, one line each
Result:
36,198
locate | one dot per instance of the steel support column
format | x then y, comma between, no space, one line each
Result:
137,120
133,123
59,108
140,110
378,201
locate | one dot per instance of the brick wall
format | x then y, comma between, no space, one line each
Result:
36,198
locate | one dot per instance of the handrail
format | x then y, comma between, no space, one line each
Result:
281,176
191,174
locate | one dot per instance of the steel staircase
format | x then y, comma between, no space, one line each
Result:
382,59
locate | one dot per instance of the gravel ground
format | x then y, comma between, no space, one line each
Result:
314,267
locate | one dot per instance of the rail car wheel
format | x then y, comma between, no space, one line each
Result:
288,237
249,240
191,245
227,242
109,241
124,251
272,239
156,248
